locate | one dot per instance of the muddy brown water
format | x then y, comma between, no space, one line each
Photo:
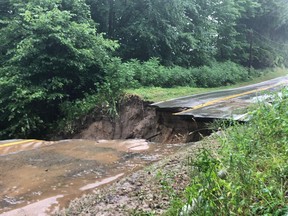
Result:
39,178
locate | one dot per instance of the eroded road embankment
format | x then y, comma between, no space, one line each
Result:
38,177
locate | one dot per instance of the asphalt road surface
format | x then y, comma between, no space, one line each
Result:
225,104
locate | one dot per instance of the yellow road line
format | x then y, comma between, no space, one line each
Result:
226,98
19,142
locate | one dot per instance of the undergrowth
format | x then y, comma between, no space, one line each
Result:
249,174
152,73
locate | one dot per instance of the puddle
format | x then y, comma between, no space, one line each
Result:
102,182
38,180
35,209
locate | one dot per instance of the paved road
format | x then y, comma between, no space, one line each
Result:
225,104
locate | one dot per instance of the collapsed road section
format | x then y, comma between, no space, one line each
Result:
179,120
139,120
226,104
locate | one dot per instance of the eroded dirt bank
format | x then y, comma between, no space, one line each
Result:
144,191
139,120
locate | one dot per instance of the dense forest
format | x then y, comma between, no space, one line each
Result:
63,55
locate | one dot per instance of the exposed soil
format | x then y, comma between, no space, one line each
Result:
138,120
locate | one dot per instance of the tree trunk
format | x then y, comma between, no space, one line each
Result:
111,19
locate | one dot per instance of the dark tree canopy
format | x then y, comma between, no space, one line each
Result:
193,32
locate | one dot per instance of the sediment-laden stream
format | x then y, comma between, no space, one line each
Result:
41,180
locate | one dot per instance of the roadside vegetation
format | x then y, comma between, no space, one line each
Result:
248,175
157,94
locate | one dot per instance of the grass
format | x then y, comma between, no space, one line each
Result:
156,94
249,173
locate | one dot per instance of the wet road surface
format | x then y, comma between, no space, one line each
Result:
39,177
225,104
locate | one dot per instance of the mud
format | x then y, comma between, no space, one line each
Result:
137,119
41,180
144,192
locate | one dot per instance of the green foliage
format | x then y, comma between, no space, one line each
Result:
145,29
112,88
263,24
220,74
176,32
5,12
52,54
105,100
151,73
157,94
74,113
193,33
249,176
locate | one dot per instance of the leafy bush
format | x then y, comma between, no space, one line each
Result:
52,54
220,74
151,73
106,98
178,76
73,114
250,174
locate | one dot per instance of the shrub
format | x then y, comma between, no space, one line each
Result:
73,114
53,55
151,73
220,74
109,93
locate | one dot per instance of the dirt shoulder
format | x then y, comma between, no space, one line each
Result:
146,190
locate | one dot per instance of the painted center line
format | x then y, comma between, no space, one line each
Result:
19,142
212,102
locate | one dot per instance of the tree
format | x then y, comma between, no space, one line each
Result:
52,54
5,10
263,24
144,28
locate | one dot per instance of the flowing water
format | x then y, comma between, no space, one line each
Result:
38,177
